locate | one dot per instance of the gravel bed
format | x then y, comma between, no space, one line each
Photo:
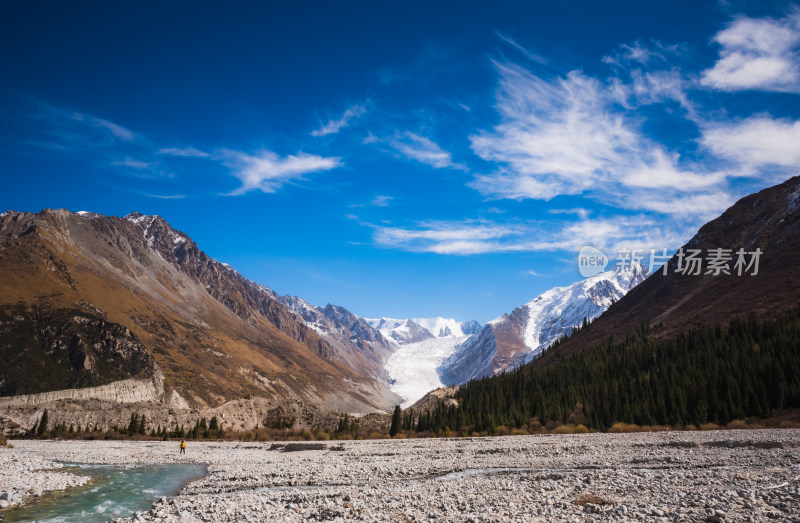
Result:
739,475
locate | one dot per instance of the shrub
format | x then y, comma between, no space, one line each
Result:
563,429
624,427
738,424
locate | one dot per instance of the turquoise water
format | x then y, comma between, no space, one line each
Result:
115,491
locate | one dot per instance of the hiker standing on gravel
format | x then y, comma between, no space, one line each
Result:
183,446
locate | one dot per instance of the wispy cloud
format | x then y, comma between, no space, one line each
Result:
335,125
116,131
527,53
185,152
167,196
446,237
579,211
422,149
471,237
565,136
757,53
378,201
755,142
655,52
267,172
73,130
134,164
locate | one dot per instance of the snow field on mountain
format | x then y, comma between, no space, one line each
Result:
414,367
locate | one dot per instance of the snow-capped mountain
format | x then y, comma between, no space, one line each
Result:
414,330
441,327
516,338
401,332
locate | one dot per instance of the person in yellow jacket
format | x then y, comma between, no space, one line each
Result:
183,446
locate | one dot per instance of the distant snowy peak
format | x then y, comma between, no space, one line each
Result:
440,327
557,312
414,330
401,332
520,336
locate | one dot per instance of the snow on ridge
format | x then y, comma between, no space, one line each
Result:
556,312
138,218
439,326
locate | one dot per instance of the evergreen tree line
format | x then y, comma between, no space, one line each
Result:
705,375
137,426
347,425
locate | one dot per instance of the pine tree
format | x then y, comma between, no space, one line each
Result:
396,420
133,424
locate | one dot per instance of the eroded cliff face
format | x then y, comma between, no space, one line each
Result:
52,349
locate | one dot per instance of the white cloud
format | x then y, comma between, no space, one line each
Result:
445,237
381,201
757,53
650,87
268,172
645,54
563,136
187,152
579,211
471,237
659,171
756,142
334,126
417,147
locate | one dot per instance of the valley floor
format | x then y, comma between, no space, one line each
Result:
738,475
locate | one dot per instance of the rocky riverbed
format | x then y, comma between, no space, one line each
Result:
24,475
668,476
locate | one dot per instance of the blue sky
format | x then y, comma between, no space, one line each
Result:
401,158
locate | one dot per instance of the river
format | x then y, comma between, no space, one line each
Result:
115,491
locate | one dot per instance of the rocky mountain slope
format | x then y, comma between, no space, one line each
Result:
356,343
89,300
516,338
768,221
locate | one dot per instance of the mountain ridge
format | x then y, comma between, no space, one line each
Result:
516,338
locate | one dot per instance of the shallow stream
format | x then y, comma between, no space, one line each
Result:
115,491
